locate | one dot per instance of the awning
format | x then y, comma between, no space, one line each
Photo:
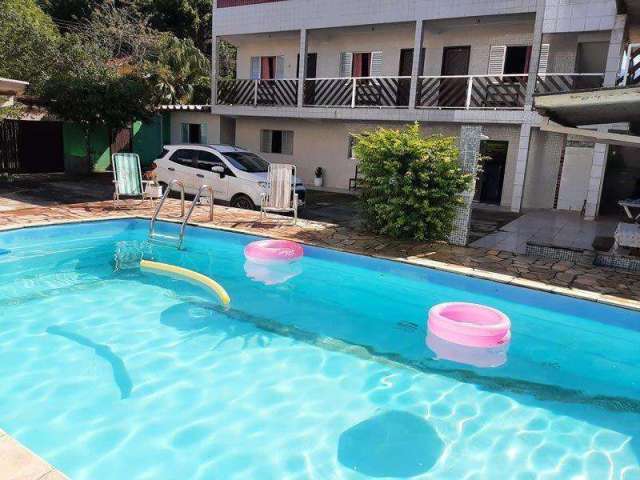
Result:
591,107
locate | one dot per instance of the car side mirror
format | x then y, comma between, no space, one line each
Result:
218,169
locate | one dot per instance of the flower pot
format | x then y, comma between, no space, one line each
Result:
317,181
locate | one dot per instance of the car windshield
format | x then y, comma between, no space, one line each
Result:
247,162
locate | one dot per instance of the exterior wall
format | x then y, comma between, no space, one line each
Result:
325,144
559,15
542,170
212,121
578,15
75,149
480,35
574,181
564,49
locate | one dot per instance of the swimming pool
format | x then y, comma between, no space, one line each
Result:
316,371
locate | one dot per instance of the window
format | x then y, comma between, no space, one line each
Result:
360,64
276,141
514,59
206,160
185,157
194,132
247,162
267,68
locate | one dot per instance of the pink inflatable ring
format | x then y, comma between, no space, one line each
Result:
264,251
469,324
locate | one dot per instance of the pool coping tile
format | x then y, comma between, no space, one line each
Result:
19,463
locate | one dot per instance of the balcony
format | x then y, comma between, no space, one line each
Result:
467,92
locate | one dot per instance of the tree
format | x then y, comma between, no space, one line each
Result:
412,184
181,73
28,42
97,96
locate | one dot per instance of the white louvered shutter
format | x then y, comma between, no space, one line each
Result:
497,55
346,64
280,67
376,64
204,130
543,64
184,129
287,142
265,141
255,68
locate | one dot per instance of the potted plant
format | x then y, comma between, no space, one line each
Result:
317,181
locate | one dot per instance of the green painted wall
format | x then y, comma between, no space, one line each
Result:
166,128
75,149
147,139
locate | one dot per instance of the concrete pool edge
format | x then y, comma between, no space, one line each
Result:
18,462
603,298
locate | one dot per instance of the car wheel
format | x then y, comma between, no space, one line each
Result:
242,201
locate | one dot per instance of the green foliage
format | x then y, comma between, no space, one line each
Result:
412,184
180,74
99,97
28,41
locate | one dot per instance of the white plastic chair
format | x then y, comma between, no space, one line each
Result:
127,177
281,196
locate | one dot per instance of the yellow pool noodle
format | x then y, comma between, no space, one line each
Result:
198,277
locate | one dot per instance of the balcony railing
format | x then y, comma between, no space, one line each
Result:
281,92
376,92
495,92
566,82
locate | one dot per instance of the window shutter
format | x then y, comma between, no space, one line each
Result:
287,142
204,130
265,141
543,64
346,64
255,68
280,66
496,59
376,64
184,129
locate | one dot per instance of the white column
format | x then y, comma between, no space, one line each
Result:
535,54
521,167
415,67
214,71
601,150
302,66
614,55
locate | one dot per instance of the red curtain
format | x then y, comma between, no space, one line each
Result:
268,68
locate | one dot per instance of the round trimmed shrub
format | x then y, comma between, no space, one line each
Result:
412,184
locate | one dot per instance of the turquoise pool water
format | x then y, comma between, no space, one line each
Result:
318,371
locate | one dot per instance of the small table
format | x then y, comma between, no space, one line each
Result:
628,205
153,191
627,235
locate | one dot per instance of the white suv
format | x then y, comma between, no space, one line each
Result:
237,176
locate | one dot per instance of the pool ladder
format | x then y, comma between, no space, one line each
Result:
154,236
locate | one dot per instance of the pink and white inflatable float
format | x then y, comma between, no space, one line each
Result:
267,251
469,324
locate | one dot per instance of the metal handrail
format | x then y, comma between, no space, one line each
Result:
196,199
162,200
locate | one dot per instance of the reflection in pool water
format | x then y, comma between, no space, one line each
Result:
474,356
274,273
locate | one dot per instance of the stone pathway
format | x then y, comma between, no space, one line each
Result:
580,280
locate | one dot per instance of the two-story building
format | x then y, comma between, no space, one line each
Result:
312,73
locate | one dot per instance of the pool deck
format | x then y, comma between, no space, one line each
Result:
19,463
605,285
